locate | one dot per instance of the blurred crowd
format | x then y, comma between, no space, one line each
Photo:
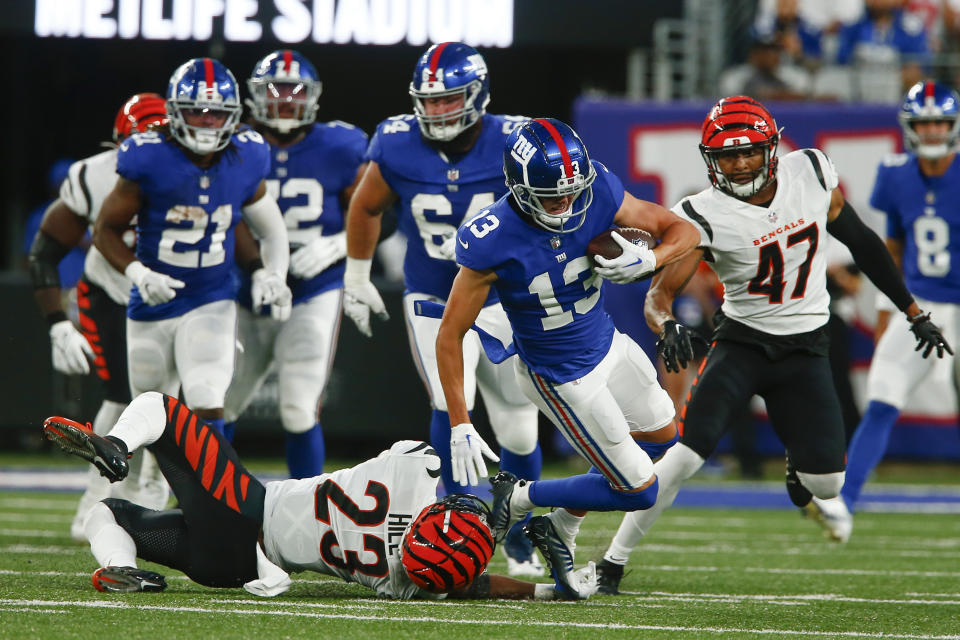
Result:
847,50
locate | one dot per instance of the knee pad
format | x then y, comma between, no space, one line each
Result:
515,428
300,387
822,485
296,418
148,367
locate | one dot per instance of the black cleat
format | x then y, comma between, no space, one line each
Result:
556,552
799,495
501,517
127,580
107,454
609,575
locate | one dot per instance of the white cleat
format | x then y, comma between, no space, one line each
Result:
831,514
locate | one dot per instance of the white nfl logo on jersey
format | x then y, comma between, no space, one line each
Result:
772,216
453,174
555,242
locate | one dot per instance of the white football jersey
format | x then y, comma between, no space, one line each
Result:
771,260
350,523
88,183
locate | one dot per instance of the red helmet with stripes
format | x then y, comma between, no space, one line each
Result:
138,113
449,544
734,125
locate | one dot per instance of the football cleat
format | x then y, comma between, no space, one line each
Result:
109,455
609,575
502,517
127,580
522,559
557,553
833,516
799,495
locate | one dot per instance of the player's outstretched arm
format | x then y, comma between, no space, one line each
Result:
467,448
676,236
495,586
674,340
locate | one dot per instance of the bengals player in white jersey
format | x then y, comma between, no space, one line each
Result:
377,524
102,296
761,229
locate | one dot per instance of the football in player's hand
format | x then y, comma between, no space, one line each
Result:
604,244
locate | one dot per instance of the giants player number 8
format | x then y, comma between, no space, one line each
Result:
932,237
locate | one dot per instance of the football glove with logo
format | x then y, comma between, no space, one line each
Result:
635,262
71,351
675,345
928,335
467,450
318,254
155,288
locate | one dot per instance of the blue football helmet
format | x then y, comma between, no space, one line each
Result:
450,69
203,90
545,158
284,90
930,102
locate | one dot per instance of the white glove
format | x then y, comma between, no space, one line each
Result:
584,581
267,287
71,351
448,250
635,262
155,288
318,254
467,449
360,297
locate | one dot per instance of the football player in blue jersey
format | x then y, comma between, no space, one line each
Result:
188,187
441,165
313,172
595,383
920,193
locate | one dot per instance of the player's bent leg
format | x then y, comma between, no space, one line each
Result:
678,464
107,454
98,487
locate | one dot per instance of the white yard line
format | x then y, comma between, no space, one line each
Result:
47,606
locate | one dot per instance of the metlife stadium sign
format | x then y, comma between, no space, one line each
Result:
481,23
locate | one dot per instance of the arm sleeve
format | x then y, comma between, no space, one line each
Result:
266,222
870,255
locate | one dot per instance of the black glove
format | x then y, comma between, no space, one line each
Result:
674,345
928,335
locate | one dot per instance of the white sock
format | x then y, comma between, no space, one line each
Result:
567,525
677,465
142,422
110,544
520,500
97,487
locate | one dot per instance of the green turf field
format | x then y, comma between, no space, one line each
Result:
702,573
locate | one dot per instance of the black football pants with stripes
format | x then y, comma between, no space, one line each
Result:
212,536
799,393
104,325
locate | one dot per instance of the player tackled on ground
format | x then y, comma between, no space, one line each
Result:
377,524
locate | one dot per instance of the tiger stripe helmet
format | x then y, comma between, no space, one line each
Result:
739,123
139,112
449,544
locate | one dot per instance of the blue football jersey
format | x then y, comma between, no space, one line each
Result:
186,226
306,179
437,193
546,282
924,214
